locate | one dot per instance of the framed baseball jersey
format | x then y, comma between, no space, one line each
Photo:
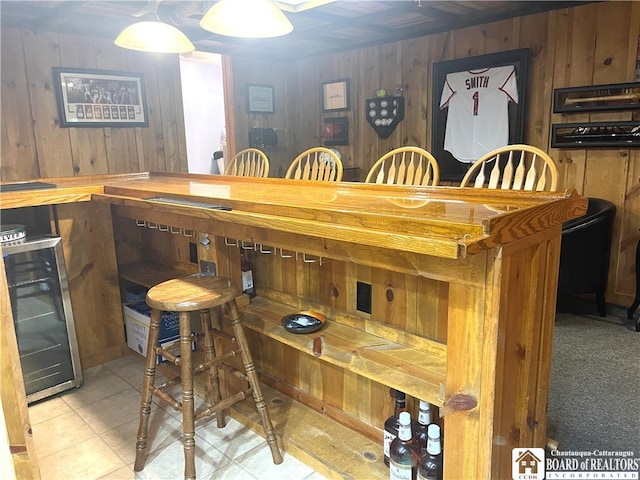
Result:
478,120
477,107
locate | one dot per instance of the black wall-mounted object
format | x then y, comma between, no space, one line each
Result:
592,98
595,134
384,114
262,137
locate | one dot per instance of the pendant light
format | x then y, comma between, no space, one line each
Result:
247,19
155,37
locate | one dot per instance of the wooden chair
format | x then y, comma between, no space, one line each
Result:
405,166
515,167
317,163
250,162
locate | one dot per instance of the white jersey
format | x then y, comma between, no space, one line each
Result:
478,119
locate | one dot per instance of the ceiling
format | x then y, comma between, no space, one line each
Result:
327,28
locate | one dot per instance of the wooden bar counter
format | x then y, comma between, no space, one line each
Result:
446,294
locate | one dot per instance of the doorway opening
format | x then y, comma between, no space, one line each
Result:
204,114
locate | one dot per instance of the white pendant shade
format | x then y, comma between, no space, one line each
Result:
156,37
246,18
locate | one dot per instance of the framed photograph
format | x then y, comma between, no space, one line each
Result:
615,96
335,95
478,105
260,99
335,131
100,98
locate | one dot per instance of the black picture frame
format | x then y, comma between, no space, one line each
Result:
260,99
335,131
100,98
592,98
451,169
335,95
596,135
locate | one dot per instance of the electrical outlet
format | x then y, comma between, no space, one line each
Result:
208,268
363,297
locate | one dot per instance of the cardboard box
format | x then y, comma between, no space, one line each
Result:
135,293
137,318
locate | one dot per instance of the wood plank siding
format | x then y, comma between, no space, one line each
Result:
588,44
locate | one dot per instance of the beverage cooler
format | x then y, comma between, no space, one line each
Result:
42,316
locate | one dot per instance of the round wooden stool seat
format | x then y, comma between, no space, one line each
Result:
196,292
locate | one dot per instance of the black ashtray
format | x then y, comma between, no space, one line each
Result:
303,322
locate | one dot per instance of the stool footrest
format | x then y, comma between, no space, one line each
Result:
235,372
223,404
216,361
169,383
167,355
168,399
222,334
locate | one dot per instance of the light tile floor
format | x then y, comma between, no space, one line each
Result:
89,433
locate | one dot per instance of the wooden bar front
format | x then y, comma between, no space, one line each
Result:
463,291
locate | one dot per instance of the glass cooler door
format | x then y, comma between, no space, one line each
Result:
42,316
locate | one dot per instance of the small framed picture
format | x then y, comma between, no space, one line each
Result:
335,131
335,95
260,99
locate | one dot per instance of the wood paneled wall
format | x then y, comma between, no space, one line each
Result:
590,44
33,143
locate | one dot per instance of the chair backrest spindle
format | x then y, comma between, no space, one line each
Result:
250,162
405,166
317,164
534,170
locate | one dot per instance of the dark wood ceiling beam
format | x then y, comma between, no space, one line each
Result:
336,22
423,9
326,29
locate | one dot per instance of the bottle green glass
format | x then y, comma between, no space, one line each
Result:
391,423
403,452
430,461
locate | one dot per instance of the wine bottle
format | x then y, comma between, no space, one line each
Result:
246,267
403,454
424,419
391,423
430,461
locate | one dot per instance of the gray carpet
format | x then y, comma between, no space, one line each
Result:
594,398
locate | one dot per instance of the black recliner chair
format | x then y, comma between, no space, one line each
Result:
584,254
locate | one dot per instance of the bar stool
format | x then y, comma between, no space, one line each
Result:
184,295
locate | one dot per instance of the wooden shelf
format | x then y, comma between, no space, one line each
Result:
327,446
332,449
419,373
148,274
